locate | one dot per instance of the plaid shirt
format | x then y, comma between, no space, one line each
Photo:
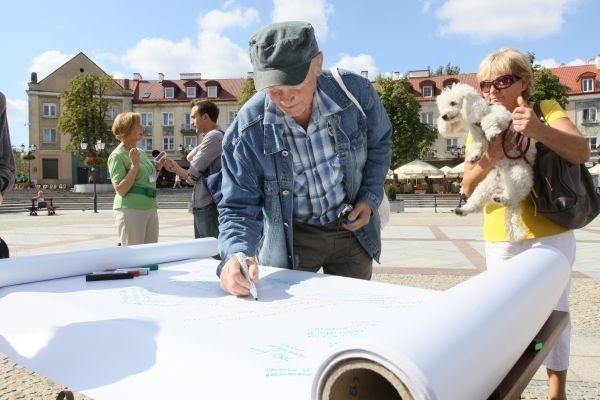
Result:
318,189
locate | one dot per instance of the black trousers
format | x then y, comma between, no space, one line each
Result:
332,248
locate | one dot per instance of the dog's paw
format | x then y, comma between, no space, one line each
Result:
500,200
460,211
474,158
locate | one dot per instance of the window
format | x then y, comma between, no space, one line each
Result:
450,143
190,92
190,141
146,144
589,115
231,116
169,92
49,110
50,168
587,85
592,142
187,124
427,118
112,113
168,144
146,119
49,135
211,91
168,119
427,91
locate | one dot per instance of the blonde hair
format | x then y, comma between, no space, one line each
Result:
507,61
124,123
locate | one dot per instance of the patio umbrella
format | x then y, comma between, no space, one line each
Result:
418,169
595,170
459,169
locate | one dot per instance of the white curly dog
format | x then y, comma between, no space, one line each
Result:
463,109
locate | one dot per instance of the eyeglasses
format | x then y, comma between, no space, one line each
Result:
503,82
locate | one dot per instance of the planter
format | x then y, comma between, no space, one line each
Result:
397,206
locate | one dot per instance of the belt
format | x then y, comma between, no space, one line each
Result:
149,192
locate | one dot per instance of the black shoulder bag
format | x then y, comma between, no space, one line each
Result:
562,192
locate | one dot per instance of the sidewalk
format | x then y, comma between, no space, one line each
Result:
420,248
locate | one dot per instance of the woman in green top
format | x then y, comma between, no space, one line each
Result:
133,176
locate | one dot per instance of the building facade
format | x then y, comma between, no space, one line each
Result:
583,107
165,108
164,105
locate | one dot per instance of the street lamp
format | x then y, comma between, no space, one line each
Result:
185,150
29,156
98,148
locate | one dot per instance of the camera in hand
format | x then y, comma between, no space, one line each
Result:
343,212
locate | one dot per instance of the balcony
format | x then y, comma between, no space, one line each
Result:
168,130
186,129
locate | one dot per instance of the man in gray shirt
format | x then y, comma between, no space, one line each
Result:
7,161
204,159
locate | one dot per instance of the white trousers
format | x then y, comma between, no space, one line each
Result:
497,252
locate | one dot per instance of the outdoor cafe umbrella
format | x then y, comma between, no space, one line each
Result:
595,170
459,169
418,169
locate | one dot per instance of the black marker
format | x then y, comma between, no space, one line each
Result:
109,276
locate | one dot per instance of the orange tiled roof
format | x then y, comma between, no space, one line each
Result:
152,91
570,76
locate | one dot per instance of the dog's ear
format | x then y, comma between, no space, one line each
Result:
474,107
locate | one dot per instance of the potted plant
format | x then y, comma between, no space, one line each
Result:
396,206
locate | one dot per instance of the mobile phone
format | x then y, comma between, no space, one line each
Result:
343,212
159,157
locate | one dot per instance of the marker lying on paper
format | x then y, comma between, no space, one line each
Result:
246,272
151,267
134,271
107,276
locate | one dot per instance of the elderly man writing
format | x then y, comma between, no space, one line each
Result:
298,154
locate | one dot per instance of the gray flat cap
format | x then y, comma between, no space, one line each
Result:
281,53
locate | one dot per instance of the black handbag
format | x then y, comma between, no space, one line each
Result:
562,192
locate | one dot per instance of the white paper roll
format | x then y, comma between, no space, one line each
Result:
461,343
14,271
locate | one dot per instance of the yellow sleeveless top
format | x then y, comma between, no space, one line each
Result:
535,225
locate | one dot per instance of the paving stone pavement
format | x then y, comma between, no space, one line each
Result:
421,248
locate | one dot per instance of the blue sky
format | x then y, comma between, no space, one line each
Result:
211,37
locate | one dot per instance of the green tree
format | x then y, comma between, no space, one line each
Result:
22,166
449,69
248,90
547,86
410,137
85,105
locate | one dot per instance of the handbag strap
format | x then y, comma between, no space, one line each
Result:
537,109
338,78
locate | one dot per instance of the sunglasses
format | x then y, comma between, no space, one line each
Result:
503,82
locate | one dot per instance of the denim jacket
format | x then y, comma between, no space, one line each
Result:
255,214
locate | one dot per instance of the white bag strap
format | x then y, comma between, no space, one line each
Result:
384,206
338,79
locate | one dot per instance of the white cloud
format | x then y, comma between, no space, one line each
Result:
516,19
219,57
153,55
551,63
47,62
218,21
213,55
577,61
316,12
359,63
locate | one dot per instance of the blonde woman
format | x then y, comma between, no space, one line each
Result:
133,176
506,78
